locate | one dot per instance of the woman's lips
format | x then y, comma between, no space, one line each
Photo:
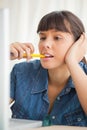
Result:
48,55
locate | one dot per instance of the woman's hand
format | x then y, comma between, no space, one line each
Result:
77,51
74,55
17,50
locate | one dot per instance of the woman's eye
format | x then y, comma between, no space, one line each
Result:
57,38
42,38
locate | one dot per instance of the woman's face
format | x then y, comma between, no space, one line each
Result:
54,45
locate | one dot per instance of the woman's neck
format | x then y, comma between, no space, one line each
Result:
58,76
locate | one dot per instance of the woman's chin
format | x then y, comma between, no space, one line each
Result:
47,66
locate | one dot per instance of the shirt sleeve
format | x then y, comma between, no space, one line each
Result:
13,83
84,67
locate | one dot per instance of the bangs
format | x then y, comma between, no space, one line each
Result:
54,20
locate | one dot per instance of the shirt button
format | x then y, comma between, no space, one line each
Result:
68,89
53,117
58,98
79,119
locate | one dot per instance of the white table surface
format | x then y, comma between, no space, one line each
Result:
61,128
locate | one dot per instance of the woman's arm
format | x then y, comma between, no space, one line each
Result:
73,57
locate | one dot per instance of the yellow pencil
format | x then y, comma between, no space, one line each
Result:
33,55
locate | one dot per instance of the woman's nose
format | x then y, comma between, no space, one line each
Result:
48,44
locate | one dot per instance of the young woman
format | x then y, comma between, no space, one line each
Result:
56,85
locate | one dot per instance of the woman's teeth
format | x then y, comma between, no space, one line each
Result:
48,56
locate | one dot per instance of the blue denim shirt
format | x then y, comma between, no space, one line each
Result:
29,84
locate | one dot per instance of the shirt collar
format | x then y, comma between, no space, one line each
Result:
70,83
68,87
40,82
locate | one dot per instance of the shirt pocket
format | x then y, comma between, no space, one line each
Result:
76,118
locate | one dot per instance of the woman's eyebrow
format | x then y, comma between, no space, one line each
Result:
41,33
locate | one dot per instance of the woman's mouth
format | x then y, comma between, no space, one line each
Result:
48,56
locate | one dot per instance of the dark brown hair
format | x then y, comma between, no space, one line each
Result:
64,21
